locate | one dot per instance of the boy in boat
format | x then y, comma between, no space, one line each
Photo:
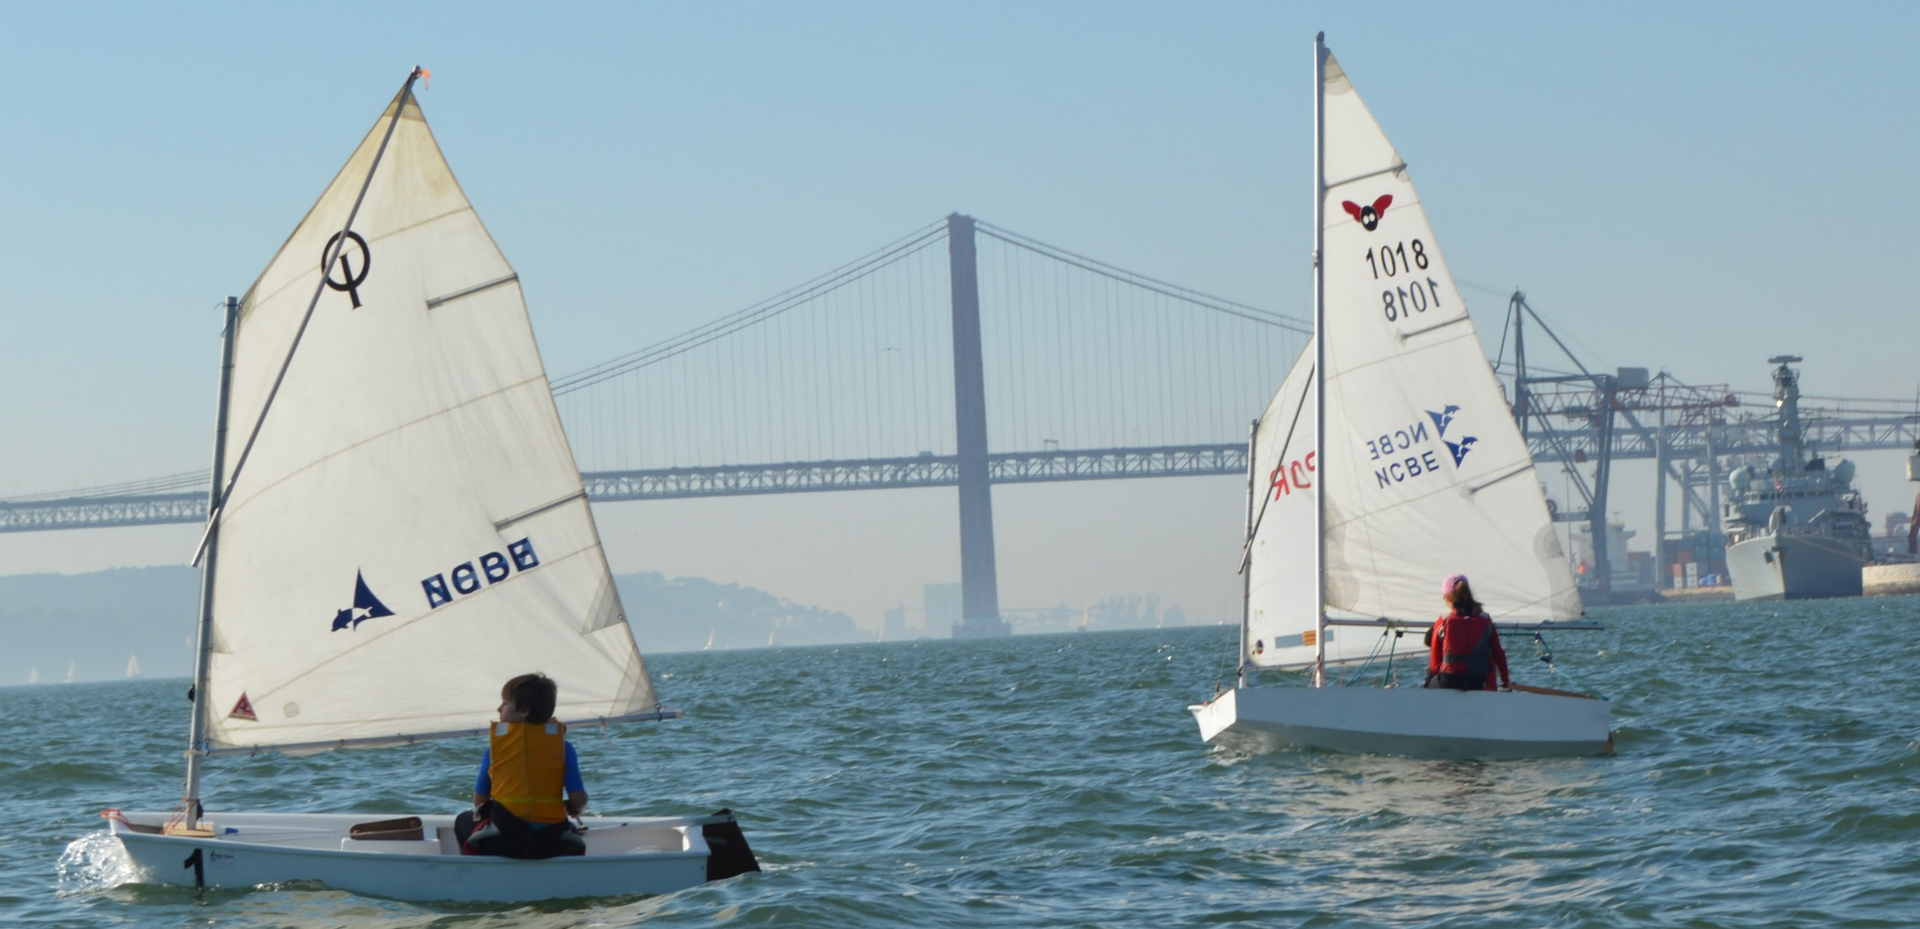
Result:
1465,645
518,811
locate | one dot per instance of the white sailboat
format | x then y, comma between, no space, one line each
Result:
70,670
711,633
133,665
398,527
1387,461
33,676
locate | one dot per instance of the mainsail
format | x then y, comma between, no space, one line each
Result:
1425,472
410,529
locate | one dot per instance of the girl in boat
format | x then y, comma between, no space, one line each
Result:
1464,646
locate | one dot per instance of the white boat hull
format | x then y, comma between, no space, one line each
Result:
624,856
1413,722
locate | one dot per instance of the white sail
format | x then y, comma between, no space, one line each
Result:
133,665
33,676
1425,472
410,530
1281,607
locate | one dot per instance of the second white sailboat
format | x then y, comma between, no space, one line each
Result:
1387,461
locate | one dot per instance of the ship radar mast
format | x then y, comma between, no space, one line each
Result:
1786,396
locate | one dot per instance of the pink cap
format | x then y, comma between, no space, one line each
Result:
1452,581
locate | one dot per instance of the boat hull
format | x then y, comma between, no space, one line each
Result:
1411,722
1786,567
624,856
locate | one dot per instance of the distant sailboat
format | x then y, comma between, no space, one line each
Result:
1360,500
69,672
133,665
33,676
710,634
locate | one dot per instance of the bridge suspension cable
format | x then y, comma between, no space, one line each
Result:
1122,275
759,312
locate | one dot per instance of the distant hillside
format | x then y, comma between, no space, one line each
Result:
682,613
95,621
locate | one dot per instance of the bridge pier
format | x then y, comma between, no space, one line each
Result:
979,585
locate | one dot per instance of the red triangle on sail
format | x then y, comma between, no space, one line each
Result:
243,710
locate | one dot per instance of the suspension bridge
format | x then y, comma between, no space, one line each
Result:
961,355
967,355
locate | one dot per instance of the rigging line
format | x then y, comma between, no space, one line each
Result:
1246,550
242,766
1183,294
1506,326
1556,338
741,319
326,266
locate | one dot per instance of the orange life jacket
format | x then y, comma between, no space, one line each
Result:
529,769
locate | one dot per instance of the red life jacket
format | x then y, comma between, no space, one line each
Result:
1465,644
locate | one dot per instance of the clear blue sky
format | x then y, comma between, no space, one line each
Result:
1689,186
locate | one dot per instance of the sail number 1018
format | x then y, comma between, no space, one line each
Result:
1393,260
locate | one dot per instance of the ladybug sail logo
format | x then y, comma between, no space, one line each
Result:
1368,216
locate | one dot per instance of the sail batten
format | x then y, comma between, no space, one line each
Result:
1419,442
411,530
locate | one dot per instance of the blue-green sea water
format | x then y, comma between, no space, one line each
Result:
1767,774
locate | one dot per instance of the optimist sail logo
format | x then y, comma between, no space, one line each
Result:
1368,216
365,606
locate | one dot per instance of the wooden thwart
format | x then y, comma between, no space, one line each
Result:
404,829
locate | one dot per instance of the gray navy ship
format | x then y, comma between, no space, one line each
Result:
1796,529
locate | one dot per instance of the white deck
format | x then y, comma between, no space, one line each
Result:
624,856
1413,722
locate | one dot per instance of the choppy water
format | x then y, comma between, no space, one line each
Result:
1767,774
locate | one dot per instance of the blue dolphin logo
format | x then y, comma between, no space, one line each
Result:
1460,448
363,599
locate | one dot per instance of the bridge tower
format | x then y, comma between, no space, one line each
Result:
979,585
